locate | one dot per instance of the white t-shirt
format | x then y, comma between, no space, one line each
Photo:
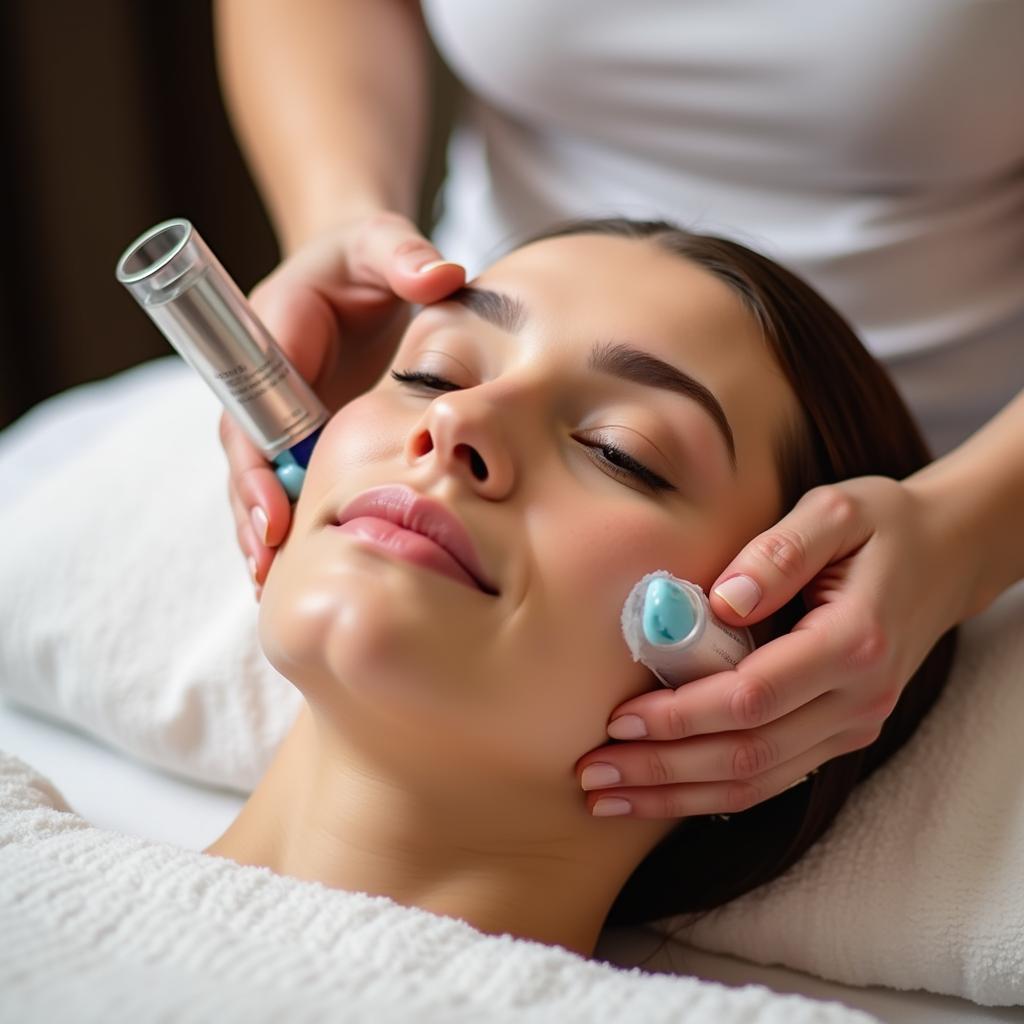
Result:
876,147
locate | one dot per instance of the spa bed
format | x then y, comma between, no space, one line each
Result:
117,792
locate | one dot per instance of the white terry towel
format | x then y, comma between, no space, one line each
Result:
104,927
920,882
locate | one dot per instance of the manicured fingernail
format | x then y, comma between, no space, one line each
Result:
260,522
434,264
740,593
599,775
627,727
251,562
797,783
609,806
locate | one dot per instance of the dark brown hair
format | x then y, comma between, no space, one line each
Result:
853,423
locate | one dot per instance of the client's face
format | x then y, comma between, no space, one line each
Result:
574,465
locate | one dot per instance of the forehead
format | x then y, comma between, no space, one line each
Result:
585,288
601,279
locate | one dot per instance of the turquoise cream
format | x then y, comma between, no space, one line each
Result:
668,612
669,627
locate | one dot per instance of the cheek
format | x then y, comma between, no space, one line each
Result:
592,565
365,432
583,567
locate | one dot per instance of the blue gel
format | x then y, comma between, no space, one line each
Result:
290,473
290,465
668,613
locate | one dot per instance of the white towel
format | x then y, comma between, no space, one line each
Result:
920,882
103,927
125,604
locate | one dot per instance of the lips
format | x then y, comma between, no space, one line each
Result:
406,509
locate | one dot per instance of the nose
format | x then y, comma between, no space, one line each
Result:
462,434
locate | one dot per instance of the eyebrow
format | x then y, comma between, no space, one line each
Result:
615,358
495,307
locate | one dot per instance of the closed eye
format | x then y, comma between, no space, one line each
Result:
623,464
427,380
618,462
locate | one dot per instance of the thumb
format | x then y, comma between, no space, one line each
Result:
824,526
391,250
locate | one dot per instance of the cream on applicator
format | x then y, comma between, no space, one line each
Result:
669,626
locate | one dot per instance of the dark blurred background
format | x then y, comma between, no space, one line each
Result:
112,120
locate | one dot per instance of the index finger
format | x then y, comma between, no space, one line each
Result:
774,680
255,482
823,526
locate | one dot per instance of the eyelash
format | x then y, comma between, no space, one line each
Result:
626,466
429,380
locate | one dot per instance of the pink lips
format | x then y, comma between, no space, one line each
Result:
418,530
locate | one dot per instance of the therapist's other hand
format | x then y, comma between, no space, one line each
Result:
881,583
337,307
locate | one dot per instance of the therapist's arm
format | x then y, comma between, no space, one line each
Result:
330,103
976,498
329,100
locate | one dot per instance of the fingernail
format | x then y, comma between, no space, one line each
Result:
740,593
260,522
251,562
434,264
609,806
627,727
797,783
599,775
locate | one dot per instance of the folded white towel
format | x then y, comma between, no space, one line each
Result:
104,927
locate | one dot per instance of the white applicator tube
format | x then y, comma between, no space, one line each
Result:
669,626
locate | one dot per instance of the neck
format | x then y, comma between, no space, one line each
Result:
500,859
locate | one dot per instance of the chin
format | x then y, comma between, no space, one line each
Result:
362,632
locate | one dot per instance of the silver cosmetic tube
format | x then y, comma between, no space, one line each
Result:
177,280
709,646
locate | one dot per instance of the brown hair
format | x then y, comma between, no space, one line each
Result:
853,423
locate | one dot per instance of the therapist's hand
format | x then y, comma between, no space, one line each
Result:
337,308
881,573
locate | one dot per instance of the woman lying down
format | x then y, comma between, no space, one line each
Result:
612,399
